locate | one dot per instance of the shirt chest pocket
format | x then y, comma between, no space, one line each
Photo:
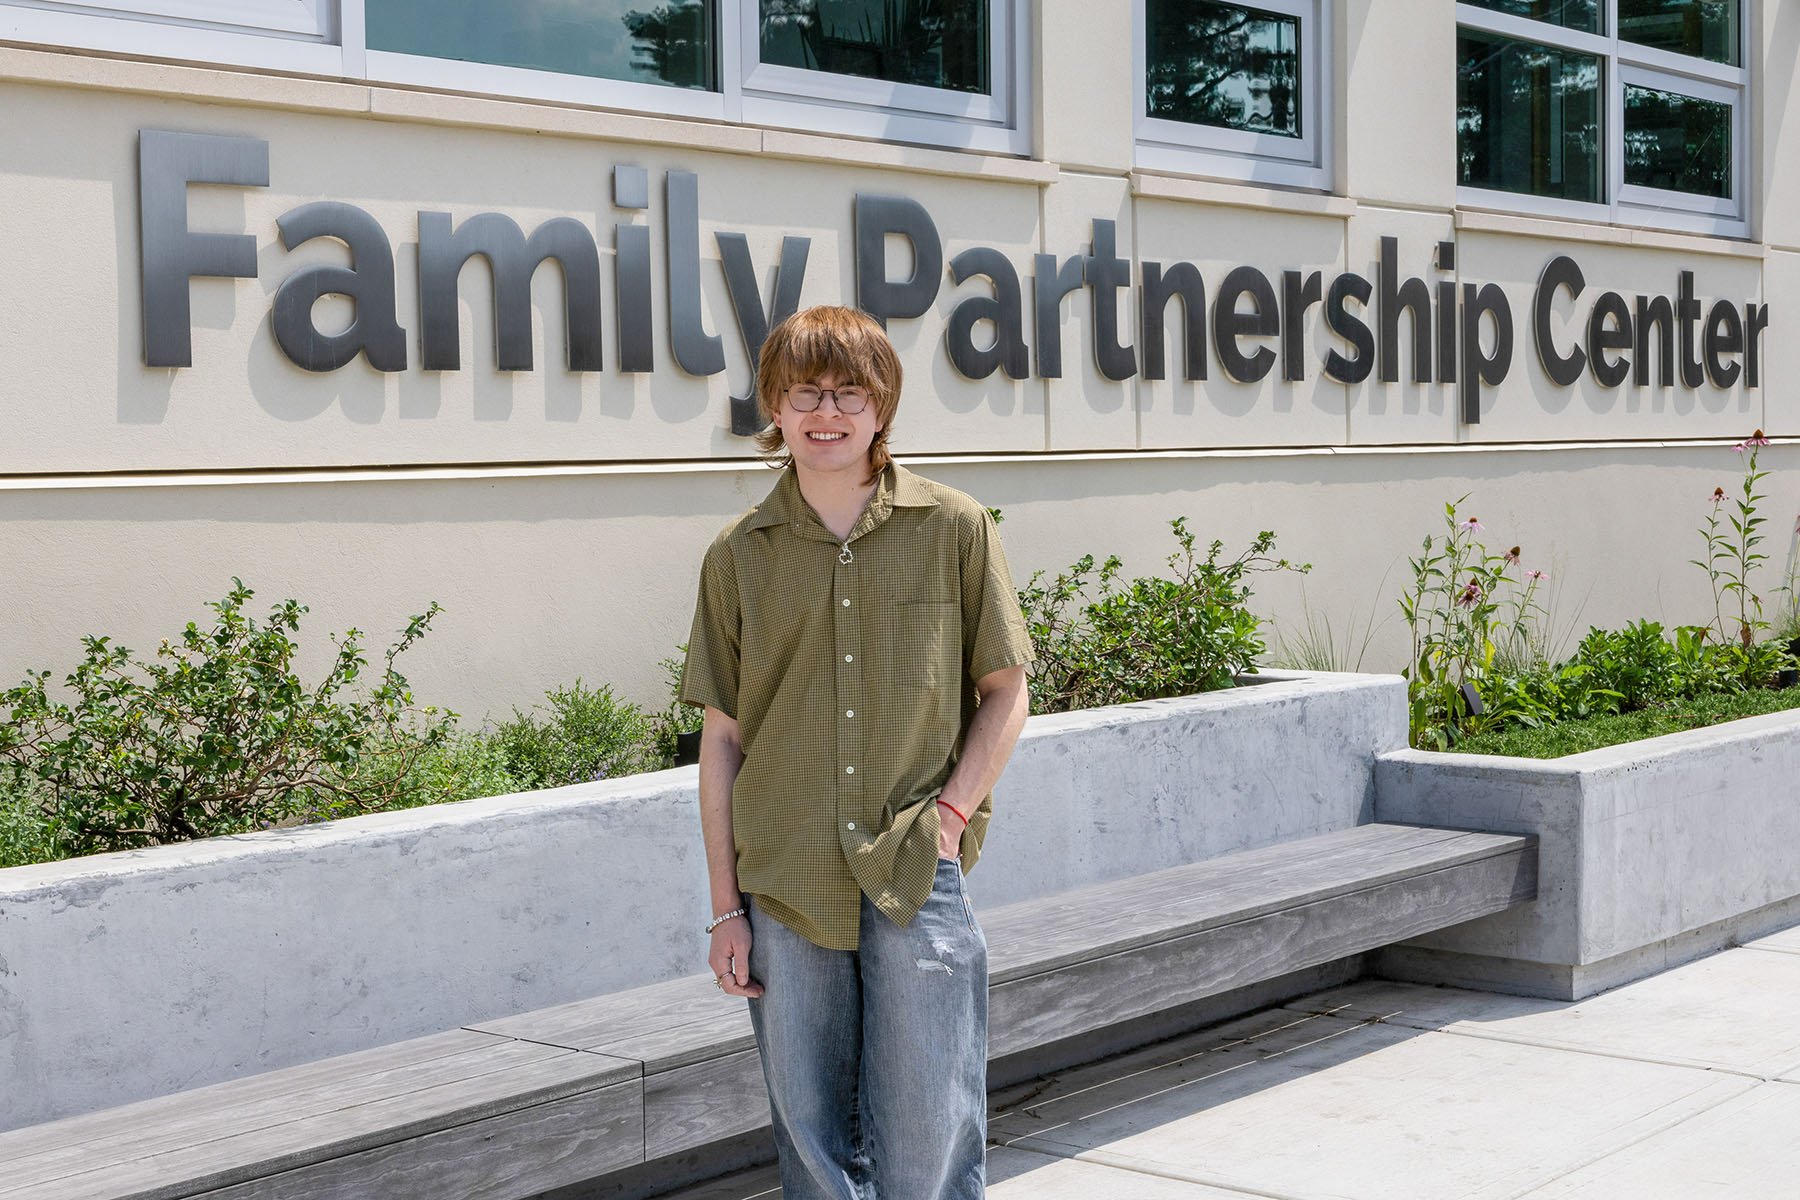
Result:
924,642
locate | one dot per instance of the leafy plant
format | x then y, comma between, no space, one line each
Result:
1464,606
1100,640
214,734
589,734
1732,557
1636,663
24,819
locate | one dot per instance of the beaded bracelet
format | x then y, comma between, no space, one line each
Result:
720,920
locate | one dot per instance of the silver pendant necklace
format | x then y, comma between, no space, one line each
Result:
845,558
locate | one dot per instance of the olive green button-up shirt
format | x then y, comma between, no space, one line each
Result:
850,670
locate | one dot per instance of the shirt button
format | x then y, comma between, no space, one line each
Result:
851,825
847,657
846,603
849,712
849,770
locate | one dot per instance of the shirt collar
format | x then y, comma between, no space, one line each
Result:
897,487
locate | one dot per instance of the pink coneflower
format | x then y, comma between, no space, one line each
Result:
1512,556
1756,439
1471,523
1719,492
1470,595
1535,575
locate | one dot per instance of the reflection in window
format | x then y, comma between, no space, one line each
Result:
1570,14
1704,28
1677,143
1527,117
929,43
668,43
1224,65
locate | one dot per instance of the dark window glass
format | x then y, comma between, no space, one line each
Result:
1224,65
931,43
1677,142
643,42
1704,28
1570,14
1527,117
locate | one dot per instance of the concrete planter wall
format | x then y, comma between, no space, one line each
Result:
131,975
1652,853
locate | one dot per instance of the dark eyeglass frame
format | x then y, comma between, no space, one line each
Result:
819,395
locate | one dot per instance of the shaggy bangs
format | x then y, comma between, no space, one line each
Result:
828,339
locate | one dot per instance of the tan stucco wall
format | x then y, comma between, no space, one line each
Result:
547,578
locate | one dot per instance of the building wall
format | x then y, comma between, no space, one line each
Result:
559,516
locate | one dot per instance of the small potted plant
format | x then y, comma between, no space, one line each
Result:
677,734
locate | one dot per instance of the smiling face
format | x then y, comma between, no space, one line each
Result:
822,346
826,441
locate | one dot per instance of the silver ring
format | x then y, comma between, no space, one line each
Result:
719,982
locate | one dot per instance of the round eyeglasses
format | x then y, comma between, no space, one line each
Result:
804,397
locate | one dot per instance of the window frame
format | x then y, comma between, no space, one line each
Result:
226,34
1235,154
1621,63
229,32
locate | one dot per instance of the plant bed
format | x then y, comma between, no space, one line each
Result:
1654,852
1592,733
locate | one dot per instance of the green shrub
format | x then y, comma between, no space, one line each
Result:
460,766
215,734
1149,638
24,824
588,734
1636,663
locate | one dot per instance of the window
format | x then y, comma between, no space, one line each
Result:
1626,110
940,72
600,39
1234,90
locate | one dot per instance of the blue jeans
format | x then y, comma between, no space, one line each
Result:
876,1058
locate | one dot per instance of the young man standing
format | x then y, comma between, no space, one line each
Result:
860,653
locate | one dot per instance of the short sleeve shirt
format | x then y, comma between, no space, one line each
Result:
850,668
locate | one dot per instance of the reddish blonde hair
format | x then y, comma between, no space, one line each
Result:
828,339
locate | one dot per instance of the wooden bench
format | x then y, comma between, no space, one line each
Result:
511,1108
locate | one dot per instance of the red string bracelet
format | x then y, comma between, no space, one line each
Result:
954,809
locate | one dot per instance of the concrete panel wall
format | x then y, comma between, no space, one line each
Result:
130,975
1650,851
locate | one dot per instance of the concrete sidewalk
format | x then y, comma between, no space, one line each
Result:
1683,1085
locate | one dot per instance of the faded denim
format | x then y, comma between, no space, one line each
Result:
876,1058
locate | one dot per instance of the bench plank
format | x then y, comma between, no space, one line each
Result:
664,1025
229,1100
1110,918
1077,997
704,1102
521,1153
327,1122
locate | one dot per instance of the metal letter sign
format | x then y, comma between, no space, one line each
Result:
512,259
1694,341
172,254
368,282
753,322
876,218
